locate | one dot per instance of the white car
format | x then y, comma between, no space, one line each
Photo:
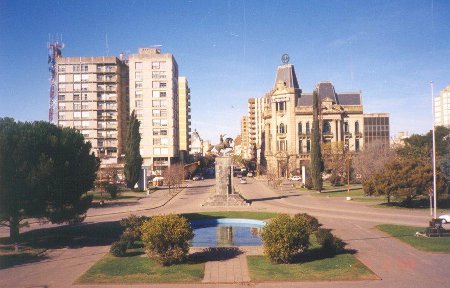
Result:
445,218
295,178
243,181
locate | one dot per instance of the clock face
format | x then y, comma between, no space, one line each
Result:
285,58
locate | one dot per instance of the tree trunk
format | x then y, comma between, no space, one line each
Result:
14,231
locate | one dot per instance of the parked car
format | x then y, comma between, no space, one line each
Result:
197,177
295,178
250,174
243,181
445,218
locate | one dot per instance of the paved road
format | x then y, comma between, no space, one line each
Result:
397,264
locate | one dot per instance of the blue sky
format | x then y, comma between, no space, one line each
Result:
229,51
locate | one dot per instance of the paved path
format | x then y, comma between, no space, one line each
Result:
224,269
397,264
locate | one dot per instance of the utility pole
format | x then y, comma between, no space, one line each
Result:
434,152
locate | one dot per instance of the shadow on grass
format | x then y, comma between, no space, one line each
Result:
423,203
11,260
214,254
315,254
71,236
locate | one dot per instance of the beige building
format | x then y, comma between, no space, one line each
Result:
184,109
92,97
442,108
376,128
256,108
245,137
154,97
288,121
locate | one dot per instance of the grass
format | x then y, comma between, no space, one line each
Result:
123,196
406,234
137,268
339,267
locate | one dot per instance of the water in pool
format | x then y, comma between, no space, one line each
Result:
223,235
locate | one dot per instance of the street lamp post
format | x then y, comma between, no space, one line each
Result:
434,152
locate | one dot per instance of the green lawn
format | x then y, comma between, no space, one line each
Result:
406,234
136,267
340,267
123,196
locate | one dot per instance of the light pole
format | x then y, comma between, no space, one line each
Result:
434,151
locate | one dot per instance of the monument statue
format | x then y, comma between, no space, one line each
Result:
223,145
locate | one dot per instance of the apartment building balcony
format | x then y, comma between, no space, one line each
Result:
358,135
347,135
106,69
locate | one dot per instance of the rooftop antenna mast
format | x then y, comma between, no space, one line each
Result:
54,52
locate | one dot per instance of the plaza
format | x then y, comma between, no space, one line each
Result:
395,263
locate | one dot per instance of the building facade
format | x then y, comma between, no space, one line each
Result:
154,98
184,110
376,128
92,97
288,121
245,137
442,108
196,144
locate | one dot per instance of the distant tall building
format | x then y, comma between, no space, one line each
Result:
184,100
376,128
196,144
442,108
245,137
154,97
92,97
256,107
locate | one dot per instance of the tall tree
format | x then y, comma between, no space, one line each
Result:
45,172
133,159
316,164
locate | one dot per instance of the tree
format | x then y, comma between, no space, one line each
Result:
377,154
45,172
174,176
133,159
315,154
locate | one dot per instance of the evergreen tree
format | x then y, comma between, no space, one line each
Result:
45,172
315,154
133,159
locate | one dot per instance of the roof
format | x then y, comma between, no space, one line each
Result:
326,90
286,74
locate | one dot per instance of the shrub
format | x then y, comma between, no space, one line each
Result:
118,248
112,190
166,238
132,225
284,238
310,223
128,238
330,244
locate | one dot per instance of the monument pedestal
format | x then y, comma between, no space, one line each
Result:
224,194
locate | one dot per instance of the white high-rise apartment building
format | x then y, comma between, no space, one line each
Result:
92,97
154,98
184,100
442,108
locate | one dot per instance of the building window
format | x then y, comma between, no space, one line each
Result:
162,84
61,97
326,128
308,130
76,68
282,128
84,68
84,87
84,77
308,146
76,106
76,97
357,145
61,68
300,146
299,128
61,78
356,127
280,106
158,74
85,114
85,96
77,114
138,94
345,127
138,65
77,87
138,103
138,85
138,75
155,65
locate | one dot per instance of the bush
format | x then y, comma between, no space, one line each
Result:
118,248
285,237
330,244
112,190
310,223
166,238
